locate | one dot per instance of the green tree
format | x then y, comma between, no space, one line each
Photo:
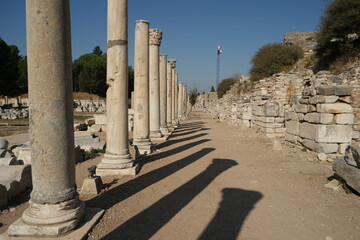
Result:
9,59
274,58
97,51
193,95
225,85
131,80
339,32
22,81
212,89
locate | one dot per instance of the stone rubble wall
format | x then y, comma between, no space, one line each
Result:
320,112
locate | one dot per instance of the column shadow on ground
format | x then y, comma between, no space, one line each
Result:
145,224
174,141
235,206
173,151
108,199
182,133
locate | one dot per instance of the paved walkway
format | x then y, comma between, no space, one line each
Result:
215,181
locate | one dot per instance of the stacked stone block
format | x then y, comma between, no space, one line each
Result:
322,122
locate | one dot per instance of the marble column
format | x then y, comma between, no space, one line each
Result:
117,159
171,64
180,101
54,207
176,98
173,95
141,88
163,95
155,36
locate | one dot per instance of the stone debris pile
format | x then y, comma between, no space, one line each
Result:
14,113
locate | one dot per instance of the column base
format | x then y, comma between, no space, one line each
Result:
92,216
113,165
155,134
144,146
164,131
41,220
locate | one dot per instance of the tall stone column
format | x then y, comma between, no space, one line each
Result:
173,95
163,94
180,101
141,88
176,98
169,106
54,207
155,36
117,159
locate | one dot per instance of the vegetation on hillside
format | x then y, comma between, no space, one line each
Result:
193,96
225,85
339,34
274,58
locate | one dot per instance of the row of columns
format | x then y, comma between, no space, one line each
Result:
159,102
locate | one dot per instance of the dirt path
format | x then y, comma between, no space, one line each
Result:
215,181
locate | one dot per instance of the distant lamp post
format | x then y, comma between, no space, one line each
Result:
218,53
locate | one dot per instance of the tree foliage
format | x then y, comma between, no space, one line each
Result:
274,58
97,51
336,39
193,95
225,85
212,89
22,81
9,71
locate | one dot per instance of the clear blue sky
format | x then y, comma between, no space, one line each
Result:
192,30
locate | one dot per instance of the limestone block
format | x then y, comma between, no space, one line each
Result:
307,130
334,90
7,161
100,119
347,172
271,109
352,155
3,196
342,148
92,185
334,108
3,143
247,115
311,108
24,155
323,118
346,99
301,108
310,144
279,120
292,127
291,116
355,135
344,118
95,128
300,116
292,138
327,148
333,133
280,130
326,99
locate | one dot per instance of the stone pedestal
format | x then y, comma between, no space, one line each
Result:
141,88
163,94
54,207
169,112
155,36
117,159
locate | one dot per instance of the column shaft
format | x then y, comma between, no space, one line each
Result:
117,156
173,100
54,207
155,36
170,65
163,94
141,88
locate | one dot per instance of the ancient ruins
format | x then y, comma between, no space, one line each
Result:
316,112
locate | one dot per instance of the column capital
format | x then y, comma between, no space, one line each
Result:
155,36
172,62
